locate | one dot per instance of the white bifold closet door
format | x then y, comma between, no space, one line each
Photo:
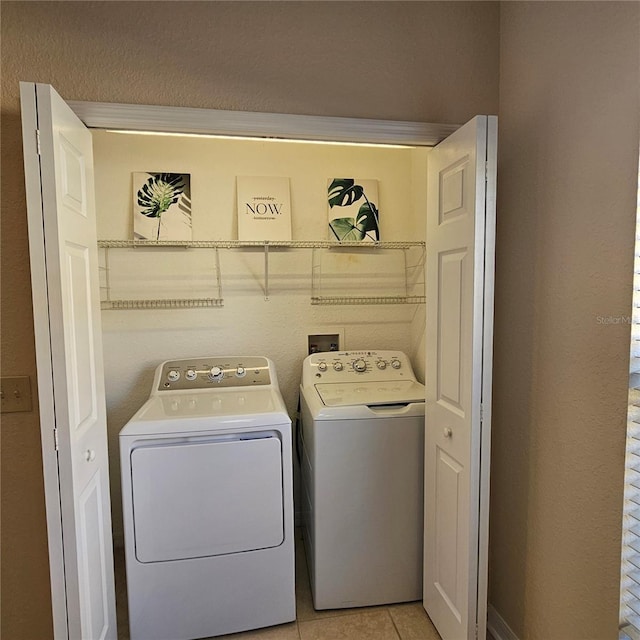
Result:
459,338
58,156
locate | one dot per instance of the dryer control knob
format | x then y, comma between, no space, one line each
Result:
322,366
338,366
191,374
173,375
241,372
216,373
360,365
381,364
396,364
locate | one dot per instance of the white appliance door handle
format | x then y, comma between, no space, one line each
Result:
389,409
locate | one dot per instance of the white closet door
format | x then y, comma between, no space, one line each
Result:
62,242
459,326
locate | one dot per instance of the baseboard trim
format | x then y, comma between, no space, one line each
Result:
497,626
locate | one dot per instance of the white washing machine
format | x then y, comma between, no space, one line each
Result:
208,501
362,451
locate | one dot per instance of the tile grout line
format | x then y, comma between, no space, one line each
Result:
381,609
352,612
393,622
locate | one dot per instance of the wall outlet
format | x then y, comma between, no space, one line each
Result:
15,394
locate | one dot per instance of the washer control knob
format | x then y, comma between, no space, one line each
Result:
396,364
338,366
381,364
173,375
190,374
360,365
216,373
241,372
322,366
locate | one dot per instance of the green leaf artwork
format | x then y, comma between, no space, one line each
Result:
358,198
344,230
165,198
344,192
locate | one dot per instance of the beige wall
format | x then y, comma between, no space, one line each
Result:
567,176
568,152
428,61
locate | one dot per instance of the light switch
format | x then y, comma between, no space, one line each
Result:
15,394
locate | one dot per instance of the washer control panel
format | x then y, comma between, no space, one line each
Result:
216,372
349,366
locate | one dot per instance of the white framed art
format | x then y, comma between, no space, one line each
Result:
162,206
353,210
264,208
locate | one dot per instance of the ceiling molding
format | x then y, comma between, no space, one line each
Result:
132,117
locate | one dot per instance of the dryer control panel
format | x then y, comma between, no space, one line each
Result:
216,371
352,366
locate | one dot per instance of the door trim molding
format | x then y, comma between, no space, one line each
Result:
136,117
491,169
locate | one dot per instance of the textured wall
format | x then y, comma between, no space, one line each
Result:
568,155
431,61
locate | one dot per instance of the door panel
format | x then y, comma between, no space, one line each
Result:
94,573
450,285
73,181
452,193
82,371
456,376
448,528
62,241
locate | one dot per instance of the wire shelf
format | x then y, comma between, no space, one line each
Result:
340,300
240,244
406,286
185,303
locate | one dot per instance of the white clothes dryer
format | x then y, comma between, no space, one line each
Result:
208,501
362,451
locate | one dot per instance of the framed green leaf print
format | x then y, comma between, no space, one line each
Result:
162,206
353,210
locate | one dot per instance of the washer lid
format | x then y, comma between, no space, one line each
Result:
370,393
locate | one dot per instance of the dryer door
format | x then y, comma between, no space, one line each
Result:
210,497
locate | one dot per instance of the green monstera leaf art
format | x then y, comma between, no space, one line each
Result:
158,193
368,218
364,225
345,231
344,192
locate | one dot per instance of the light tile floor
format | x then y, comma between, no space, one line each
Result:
393,622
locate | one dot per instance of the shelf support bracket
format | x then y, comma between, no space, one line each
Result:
266,270
218,274
107,267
